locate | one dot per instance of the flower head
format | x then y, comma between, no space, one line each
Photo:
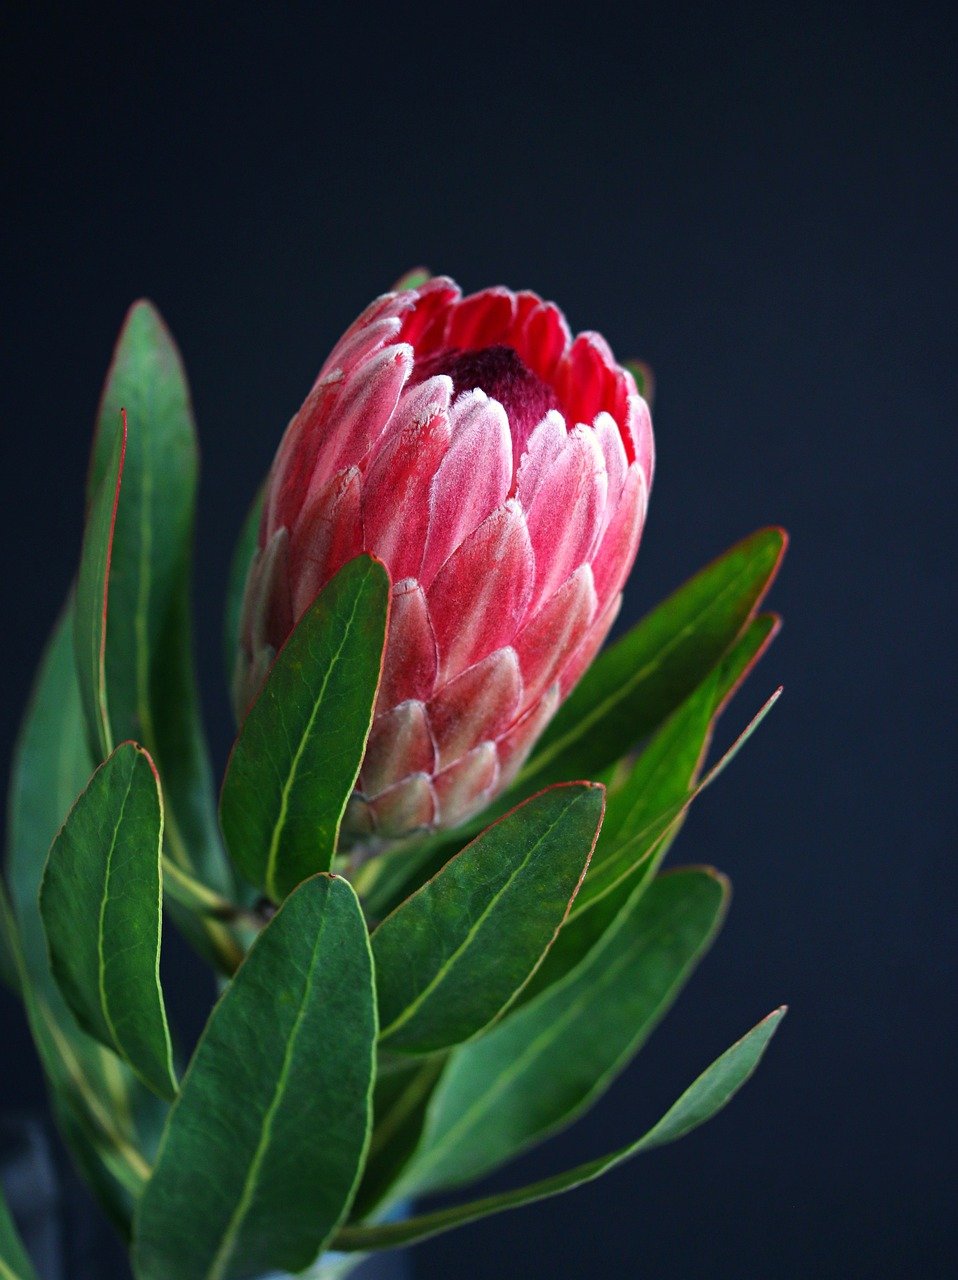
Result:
501,471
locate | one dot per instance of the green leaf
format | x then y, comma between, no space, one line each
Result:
297,757
400,1099
93,587
640,808
14,1263
704,1098
101,902
8,949
243,555
263,1148
415,278
644,378
456,954
106,1116
632,687
148,660
550,1060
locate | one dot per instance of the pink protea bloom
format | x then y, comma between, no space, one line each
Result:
501,471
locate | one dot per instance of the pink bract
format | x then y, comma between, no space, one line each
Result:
501,471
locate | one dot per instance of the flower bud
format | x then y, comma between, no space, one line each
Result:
501,471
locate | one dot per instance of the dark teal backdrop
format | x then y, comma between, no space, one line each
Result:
760,202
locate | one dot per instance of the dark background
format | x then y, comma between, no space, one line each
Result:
759,202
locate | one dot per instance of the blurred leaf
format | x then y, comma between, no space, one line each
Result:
106,1116
297,757
8,948
148,659
550,1060
101,902
243,554
704,1098
644,379
92,591
402,1093
14,1263
264,1146
631,688
413,279
456,954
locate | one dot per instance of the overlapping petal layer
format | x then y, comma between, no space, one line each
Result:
501,470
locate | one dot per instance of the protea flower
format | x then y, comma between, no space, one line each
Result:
501,471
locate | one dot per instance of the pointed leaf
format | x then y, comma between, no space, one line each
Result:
104,1113
14,1262
264,1146
638,811
458,952
101,903
550,1060
703,1099
632,687
148,662
93,588
297,757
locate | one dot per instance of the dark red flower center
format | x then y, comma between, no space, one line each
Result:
502,375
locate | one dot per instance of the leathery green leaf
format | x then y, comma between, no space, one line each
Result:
549,1061
263,1148
456,954
14,1262
93,581
297,757
632,687
148,660
101,902
106,1116
626,874
703,1099
639,806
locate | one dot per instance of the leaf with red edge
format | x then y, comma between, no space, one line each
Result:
148,661
632,687
296,759
549,1061
92,594
101,899
456,954
641,805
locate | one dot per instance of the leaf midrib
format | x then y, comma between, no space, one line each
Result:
413,1007
469,1118
224,1254
279,825
101,924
